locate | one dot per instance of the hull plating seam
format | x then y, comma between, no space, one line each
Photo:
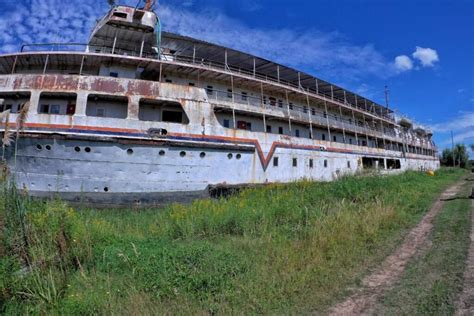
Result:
265,161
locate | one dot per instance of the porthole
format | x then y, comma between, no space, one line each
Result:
238,156
229,156
202,154
182,154
39,147
48,147
130,151
106,189
162,153
87,149
77,149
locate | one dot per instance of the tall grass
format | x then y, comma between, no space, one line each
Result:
277,249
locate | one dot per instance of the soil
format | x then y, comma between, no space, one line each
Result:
373,286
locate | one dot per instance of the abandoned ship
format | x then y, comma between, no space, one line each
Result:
142,116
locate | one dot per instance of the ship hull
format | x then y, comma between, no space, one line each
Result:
111,172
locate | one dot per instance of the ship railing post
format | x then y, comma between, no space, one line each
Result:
327,120
355,125
161,71
309,116
366,129
14,64
142,46
46,64
317,86
278,73
194,54
263,108
82,65
233,104
254,67
332,92
288,108
114,44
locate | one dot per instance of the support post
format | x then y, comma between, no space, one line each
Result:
233,104
263,107
366,129
310,119
317,86
355,129
254,68
46,64
278,73
115,43
332,92
342,121
14,64
288,108
142,45
299,80
82,65
225,56
327,120
194,54
161,71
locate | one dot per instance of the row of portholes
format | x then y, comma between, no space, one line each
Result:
202,154
86,149
40,147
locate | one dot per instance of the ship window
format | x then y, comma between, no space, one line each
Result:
269,129
244,125
100,112
323,136
334,138
121,15
280,103
114,74
325,114
348,164
272,101
290,106
325,163
210,90
275,161
172,116
54,109
191,84
244,96
107,106
311,163
305,109
295,162
280,130
264,100
226,123
44,108
313,111
297,133
161,111
169,81
229,93
350,141
57,103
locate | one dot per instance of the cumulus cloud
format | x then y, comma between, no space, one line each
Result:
427,56
403,63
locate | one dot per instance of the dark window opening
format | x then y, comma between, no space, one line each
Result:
280,103
334,138
57,103
269,129
229,93
325,163
192,84
348,164
295,162
244,96
210,90
275,161
244,125
169,81
280,130
226,123
114,74
313,111
120,15
290,106
297,133
272,101
311,163
172,116
323,136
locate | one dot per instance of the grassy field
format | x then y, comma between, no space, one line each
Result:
279,249
433,280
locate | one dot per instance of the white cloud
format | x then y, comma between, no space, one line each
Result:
403,63
463,122
427,56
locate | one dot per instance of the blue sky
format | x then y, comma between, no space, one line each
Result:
422,49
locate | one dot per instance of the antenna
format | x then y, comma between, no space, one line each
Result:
386,96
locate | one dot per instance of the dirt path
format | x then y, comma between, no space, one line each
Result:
465,304
373,286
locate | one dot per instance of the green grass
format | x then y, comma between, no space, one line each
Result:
292,248
432,281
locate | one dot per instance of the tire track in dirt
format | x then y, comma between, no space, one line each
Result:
363,300
465,305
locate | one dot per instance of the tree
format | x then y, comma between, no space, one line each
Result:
460,156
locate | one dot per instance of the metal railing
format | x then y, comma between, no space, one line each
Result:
201,62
